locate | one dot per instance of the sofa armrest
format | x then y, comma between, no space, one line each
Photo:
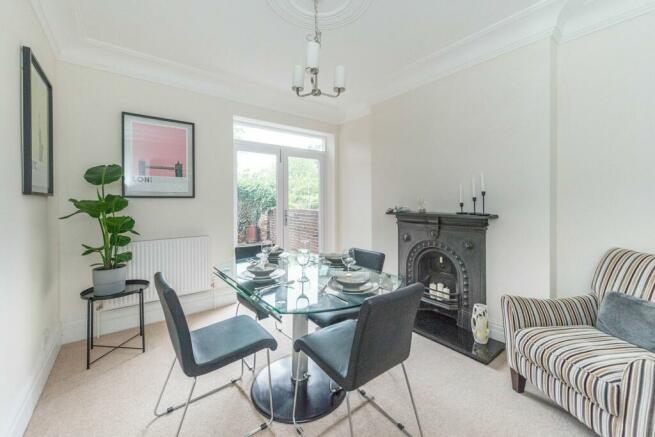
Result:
522,312
638,399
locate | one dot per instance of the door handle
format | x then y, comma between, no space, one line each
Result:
286,217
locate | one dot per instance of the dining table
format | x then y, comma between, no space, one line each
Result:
296,292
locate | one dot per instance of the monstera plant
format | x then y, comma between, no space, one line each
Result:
109,275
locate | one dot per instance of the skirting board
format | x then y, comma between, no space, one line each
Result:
126,318
26,400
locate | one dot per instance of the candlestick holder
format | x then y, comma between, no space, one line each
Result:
484,193
474,200
461,208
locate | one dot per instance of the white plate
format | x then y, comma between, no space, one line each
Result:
352,279
368,287
275,275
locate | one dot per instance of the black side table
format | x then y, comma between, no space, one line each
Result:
132,286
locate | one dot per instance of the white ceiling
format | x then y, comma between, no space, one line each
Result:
246,49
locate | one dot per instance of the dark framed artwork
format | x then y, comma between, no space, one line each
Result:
36,102
158,157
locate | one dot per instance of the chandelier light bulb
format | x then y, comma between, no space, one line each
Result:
298,78
340,77
313,54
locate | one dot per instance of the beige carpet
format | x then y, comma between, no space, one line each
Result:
456,396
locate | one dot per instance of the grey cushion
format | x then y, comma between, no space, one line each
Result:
230,340
328,318
629,318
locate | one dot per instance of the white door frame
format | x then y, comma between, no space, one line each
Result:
282,178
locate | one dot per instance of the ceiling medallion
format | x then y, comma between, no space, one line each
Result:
334,13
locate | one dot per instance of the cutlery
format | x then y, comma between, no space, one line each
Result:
338,297
268,287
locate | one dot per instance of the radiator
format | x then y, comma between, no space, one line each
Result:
185,262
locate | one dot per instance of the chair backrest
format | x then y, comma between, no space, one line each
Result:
178,329
369,259
383,337
625,271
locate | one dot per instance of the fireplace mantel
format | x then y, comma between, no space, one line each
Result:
444,218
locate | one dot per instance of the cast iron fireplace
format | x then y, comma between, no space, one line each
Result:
448,250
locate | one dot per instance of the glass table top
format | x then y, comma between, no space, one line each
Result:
321,291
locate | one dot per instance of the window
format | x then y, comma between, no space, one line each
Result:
280,186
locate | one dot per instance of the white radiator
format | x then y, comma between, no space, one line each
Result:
185,262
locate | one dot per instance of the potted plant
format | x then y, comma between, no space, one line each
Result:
109,275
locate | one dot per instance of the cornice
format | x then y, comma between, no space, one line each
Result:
561,20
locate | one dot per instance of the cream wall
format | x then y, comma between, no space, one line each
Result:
606,148
354,184
29,305
89,133
494,117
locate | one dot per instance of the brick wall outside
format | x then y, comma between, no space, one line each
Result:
303,225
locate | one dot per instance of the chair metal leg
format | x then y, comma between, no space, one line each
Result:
190,401
268,423
411,396
299,429
399,425
186,407
350,416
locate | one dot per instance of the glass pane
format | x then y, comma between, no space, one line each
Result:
256,198
304,207
261,134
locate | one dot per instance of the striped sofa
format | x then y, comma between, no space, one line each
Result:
606,383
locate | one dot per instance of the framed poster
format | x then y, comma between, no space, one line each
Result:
158,157
36,102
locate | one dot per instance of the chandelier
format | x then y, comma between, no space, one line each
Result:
311,68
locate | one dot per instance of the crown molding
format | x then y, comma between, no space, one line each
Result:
583,17
560,20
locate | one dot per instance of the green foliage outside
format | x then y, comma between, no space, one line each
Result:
256,190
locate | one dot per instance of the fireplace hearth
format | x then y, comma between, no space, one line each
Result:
447,254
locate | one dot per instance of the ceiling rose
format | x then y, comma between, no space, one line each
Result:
333,13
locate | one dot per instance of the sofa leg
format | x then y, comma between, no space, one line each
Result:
518,381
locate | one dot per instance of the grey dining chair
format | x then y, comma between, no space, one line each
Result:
353,353
369,259
210,348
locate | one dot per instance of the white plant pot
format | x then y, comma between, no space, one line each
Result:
107,282
480,323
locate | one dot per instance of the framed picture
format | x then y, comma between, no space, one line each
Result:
36,102
158,157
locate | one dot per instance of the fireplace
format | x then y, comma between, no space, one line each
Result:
447,254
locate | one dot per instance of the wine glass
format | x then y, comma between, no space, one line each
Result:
347,259
303,261
266,246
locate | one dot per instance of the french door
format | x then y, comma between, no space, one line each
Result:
279,196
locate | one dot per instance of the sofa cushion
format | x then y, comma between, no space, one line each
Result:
588,360
628,318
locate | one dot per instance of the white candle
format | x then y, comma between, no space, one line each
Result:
483,187
299,77
313,51
340,76
473,192
461,194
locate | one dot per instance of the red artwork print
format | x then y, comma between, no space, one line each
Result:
159,150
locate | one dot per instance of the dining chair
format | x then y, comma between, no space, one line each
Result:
353,353
368,259
210,348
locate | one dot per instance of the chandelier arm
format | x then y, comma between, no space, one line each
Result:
302,95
